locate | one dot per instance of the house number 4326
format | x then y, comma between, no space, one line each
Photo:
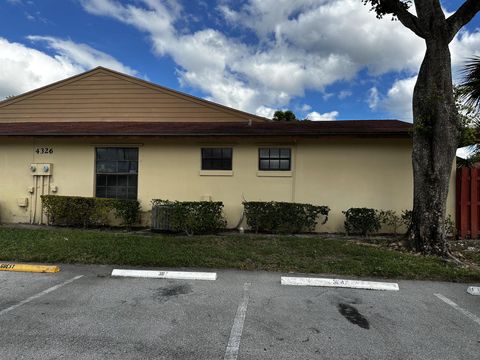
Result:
44,150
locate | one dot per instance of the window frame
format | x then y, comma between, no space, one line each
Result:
279,158
127,174
212,158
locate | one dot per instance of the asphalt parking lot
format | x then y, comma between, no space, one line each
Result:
83,313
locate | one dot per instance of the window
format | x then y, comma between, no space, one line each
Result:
116,173
216,158
274,159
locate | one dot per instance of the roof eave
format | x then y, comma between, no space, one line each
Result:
369,134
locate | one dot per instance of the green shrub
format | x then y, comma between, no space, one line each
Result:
283,217
101,213
194,217
127,210
450,228
88,211
363,221
391,219
69,210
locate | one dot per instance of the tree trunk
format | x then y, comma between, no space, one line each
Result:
435,140
435,118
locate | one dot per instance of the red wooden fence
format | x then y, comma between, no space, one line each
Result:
468,202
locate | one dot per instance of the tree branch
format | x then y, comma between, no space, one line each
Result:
408,19
462,16
398,8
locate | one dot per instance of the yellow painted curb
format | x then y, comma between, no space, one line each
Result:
29,268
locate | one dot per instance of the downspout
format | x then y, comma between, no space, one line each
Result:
242,217
41,202
35,178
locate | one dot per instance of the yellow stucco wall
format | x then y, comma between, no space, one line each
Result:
340,173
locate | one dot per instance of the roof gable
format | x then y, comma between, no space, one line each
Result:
106,95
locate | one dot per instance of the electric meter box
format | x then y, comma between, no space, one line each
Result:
41,169
22,202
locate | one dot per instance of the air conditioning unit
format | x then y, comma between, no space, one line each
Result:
161,218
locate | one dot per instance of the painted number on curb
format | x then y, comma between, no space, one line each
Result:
162,273
7,266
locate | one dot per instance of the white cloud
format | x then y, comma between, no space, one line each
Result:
23,68
306,107
294,53
315,116
344,94
373,98
81,54
398,101
265,112
466,152
463,47
324,27
327,95
301,45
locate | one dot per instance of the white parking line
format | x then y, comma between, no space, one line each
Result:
36,296
231,353
456,307
341,283
155,274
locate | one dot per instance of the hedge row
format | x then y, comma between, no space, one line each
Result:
202,217
89,211
366,221
193,217
283,217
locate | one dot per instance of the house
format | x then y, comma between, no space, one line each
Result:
106,134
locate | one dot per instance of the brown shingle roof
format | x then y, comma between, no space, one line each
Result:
381,128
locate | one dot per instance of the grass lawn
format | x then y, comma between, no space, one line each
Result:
253,252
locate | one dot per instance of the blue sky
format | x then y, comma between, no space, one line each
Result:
324,59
